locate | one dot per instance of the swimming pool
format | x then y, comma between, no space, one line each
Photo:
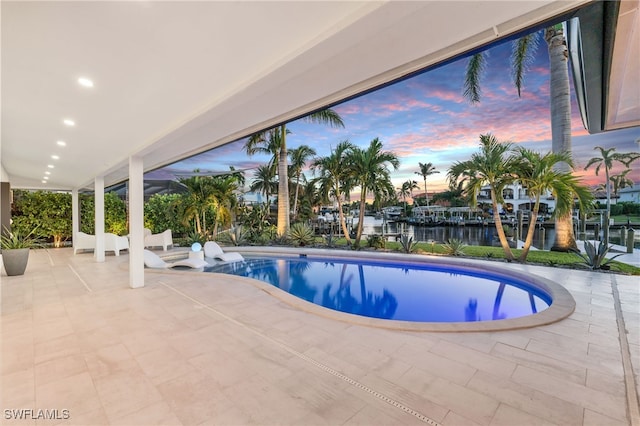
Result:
405,291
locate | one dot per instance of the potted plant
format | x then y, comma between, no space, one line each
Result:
15,250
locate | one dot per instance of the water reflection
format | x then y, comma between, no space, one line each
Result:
395,292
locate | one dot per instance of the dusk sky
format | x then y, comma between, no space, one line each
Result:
425,119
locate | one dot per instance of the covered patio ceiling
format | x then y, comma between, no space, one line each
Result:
173,79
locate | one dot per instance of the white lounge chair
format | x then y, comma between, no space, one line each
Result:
214,251
115,243
152,260
163,239
84,241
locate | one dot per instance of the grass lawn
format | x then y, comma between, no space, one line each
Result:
541,257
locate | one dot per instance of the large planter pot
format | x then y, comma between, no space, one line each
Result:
15,260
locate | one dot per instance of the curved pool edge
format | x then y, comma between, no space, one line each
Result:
561,307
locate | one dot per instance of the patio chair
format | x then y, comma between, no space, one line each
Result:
163,239
214,251
115,243
153,261
84,241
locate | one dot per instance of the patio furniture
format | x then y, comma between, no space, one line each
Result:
153,261
163,239
115,243
214,251
84,241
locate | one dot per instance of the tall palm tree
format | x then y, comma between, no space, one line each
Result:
523,50
264,181
539,175
224,189
491,166
198,199
326,116
607,158
266,143
335,178
426,170
370,171
299,157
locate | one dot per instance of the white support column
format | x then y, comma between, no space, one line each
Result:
99,224
75,215
136,222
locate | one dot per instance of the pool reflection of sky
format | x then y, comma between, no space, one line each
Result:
389,291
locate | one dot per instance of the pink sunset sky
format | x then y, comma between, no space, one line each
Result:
425,119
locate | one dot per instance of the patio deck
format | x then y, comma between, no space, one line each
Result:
193,348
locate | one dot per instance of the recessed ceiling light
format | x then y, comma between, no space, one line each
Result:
61,143
69,122
46,177
44,181
55,157
83,81
50,166
47,172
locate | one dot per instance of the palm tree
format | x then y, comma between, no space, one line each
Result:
299,157
326,116
268,143
370,171
407,190
492,167
620,181
264,181
523,50
426,169
199,199
607,158
539,175
335,178
224,188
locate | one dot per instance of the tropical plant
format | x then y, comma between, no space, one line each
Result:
376,241
406,190
335,178
162,211
196,237
620,181
607,158
264,181
370,171
299,157
301,234
426,170
407,243
16,239
237,235
325,116
539,174
596,257
491,166
454,247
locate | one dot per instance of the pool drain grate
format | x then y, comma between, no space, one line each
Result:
317,364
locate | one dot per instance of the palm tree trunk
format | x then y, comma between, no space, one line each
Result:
560,122
283,186
341,218
295,198
499,228
607,215
426,197
530,231
363,195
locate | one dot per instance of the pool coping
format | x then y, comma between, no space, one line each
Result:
561,307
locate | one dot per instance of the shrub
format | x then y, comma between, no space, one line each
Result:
595,257
407,243
301,234
454,247
376,241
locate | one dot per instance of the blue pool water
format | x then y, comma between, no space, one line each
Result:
421,293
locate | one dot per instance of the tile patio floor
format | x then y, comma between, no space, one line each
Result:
192,348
